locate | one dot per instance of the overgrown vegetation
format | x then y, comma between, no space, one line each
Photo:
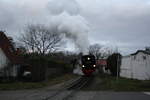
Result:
109,83
50,60
114,63
39,65
32,85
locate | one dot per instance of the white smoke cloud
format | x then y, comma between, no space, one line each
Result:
67,19
58,6
78,70
74,28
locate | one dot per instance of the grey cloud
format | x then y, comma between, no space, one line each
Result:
121,22
117,22
15,15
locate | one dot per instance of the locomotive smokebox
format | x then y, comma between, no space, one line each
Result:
88,64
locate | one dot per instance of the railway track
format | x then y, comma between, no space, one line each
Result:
82,82
70,89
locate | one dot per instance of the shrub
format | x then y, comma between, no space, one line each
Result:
114,63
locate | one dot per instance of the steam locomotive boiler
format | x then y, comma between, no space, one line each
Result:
88,64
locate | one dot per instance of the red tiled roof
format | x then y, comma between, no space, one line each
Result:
8,49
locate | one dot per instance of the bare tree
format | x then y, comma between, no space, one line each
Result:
41,39
95,50
107,52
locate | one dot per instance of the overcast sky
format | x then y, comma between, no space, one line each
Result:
119,23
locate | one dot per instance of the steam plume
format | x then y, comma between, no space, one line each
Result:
67,19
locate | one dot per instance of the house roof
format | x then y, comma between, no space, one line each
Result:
8,48
143,51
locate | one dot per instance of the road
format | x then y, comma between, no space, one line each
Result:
110,96
78,95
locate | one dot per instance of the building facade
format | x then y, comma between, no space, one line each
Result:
9,62
136,66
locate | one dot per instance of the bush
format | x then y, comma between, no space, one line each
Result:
39,65
38,69
114,63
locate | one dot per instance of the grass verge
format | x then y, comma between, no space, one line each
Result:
34,85
122,84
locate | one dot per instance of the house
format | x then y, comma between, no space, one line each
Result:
102,65
136,66
101,62
9,61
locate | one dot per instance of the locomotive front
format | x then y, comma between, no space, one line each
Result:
88,64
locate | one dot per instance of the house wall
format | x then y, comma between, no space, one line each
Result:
54,71
136,66
126,67
3,59
14,70
11,70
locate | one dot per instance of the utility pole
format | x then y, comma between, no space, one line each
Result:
117,65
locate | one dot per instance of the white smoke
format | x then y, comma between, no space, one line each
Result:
67,19
78,70
58,6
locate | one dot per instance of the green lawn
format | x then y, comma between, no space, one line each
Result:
122,84
34,85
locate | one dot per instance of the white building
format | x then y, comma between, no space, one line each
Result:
3,59
136,66
9,62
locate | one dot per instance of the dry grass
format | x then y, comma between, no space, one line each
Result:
34,85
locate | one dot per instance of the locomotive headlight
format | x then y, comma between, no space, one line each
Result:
94,65
83,66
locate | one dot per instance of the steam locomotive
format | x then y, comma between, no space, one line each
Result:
88,64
